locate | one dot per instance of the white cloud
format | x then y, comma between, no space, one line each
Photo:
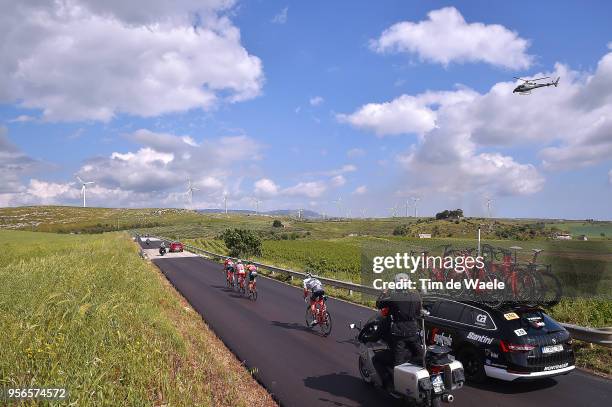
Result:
87,60
569,126
51,192
338,181
312,189
23,118
405,114
266,188
281,17
316,101
342,170
446,37
164,161
360,190
14,164
355,152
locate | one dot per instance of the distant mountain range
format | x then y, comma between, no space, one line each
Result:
306,213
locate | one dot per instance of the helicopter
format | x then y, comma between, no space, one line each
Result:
530,84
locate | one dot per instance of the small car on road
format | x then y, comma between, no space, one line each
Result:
176,247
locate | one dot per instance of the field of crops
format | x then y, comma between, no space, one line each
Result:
86,313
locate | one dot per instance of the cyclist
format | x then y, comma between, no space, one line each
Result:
252,269
313,286
240,271
229,269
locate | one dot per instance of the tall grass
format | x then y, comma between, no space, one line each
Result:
87,314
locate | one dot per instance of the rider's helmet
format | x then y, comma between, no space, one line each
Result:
308,275
239,261
400,280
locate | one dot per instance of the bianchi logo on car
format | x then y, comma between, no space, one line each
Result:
480,338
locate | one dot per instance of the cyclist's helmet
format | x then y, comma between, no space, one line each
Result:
239,261
308,275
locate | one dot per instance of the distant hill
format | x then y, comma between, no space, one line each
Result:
306,214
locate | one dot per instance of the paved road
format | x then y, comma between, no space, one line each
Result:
301,368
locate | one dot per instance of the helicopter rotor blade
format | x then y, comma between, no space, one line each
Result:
539,79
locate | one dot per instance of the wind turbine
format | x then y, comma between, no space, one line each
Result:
84,189
257,202
415,200
489,201
338,203
363,213
190,189
393,211
225,201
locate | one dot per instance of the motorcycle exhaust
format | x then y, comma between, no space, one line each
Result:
448,398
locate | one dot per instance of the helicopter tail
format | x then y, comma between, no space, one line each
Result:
557,81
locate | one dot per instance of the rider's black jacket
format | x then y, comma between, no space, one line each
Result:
404,308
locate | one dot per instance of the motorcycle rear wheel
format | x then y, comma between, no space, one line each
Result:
364,372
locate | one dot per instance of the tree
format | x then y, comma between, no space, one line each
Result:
277,224
446,214
242,242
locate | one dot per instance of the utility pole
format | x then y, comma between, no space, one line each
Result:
489,200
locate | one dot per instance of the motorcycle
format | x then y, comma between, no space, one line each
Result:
162,251
427,382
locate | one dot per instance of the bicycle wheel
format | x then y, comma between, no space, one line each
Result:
493,298
326,324
527,288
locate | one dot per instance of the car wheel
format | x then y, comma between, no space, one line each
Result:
473,364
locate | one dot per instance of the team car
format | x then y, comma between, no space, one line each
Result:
176,247
512,343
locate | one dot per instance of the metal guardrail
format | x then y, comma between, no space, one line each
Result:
601,336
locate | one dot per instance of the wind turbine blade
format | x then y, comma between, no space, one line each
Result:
79,178
89,182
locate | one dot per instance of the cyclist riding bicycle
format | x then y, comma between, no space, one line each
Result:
313,286
229,269
252,269
239,270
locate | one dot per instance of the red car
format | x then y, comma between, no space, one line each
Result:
176,247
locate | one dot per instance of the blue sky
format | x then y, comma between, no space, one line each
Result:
299,103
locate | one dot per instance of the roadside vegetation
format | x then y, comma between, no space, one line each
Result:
86,313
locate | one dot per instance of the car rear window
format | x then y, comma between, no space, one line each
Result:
448,310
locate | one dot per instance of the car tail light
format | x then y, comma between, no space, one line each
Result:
512,347
436,369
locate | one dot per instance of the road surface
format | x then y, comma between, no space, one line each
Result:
303,369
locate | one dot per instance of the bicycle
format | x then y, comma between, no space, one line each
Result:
229,279
549,289
253,290
240,285
321,316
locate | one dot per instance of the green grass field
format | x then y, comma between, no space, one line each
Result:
86,313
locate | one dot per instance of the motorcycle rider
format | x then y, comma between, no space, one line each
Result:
401,307
313,286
